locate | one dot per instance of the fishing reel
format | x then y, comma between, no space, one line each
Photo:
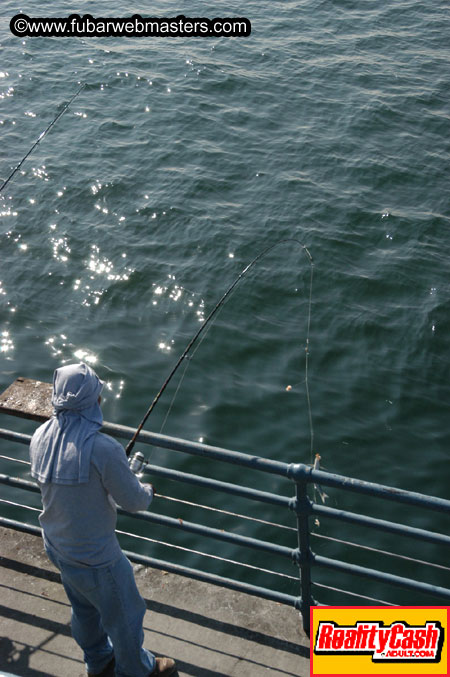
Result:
137,462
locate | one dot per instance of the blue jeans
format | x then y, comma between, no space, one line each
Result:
107,616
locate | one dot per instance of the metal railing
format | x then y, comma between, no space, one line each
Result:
300,504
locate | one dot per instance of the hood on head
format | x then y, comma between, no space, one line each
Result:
75,387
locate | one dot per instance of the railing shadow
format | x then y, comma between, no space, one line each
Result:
30,569
228,628
16,661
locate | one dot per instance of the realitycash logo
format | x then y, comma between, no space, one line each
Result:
379,641
398,642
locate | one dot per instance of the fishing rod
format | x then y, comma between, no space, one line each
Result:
138,459
40,137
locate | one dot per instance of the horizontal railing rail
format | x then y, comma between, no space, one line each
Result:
381,576
301,472
171,567
382,525
299,477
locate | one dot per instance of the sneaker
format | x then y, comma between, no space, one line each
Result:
164,667
106,672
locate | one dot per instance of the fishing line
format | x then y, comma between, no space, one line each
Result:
40,137
183,355
308,398
174,396
183,374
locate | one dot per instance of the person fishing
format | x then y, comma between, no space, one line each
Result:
82,474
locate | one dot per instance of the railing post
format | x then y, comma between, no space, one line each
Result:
305,556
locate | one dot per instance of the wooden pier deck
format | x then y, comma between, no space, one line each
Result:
210,631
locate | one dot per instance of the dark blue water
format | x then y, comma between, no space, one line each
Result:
177,164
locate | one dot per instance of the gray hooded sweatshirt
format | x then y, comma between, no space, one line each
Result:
82,474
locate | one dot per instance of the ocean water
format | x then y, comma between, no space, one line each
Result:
177,164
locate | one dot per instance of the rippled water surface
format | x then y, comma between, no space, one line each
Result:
177,164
